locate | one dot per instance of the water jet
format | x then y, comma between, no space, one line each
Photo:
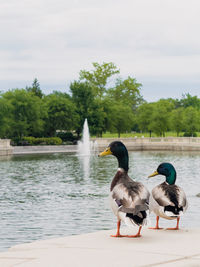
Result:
84,144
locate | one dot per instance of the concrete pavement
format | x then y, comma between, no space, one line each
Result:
155,248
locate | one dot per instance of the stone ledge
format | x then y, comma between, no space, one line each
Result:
5,148
155,248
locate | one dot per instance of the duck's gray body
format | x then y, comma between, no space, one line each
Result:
129,199
168,201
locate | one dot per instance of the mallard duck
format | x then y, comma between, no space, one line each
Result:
167,199
129,199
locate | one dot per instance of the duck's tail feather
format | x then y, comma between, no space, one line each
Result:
139,216
139,219
173,211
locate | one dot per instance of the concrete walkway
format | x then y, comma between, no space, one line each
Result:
155,248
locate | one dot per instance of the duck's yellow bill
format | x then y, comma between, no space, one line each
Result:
105,152
153,174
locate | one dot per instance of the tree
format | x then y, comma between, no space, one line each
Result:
26,113
191,120
5,110
127,91
61,114
88,107
35,89
120,118
144,117
98,78
176,120
83,98
190,101
160,116
96,118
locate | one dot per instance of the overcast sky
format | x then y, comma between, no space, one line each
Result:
155,41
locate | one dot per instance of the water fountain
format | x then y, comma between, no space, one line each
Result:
84,149
84,144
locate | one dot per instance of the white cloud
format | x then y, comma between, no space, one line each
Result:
152,40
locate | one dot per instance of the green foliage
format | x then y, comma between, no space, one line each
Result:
87,106
61,114
67,136
190,101
188,134
35,89
98,77
25,113
176,120
144,117
191,119
120,118
115,107
42,140
96,118
83,98
155,117
127,91
5,114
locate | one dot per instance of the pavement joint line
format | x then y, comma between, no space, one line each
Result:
17,258
102,248
25,261
171,261
135,250
11,249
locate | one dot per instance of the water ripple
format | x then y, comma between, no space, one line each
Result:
46,196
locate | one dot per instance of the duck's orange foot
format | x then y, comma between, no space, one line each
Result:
117,235
133,236
155,228
130,236
175,228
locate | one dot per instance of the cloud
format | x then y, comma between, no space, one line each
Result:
53,40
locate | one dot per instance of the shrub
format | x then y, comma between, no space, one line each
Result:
188,134
30,140
67,137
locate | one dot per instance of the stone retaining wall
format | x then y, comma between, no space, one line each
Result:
44,149
153,143
133,144
5,147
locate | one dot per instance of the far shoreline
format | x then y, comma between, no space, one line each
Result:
133,144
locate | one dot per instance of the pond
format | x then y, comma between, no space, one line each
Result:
46,196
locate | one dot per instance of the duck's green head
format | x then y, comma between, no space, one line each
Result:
118,150
168,170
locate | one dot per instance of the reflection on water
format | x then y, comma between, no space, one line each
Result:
46,196
85,165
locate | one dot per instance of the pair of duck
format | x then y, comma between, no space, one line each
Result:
130,200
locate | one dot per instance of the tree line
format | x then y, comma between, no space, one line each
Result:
109,102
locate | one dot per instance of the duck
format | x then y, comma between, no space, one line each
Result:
167,199
129,199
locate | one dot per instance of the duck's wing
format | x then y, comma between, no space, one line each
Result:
161,196
128,199
171,197
131,199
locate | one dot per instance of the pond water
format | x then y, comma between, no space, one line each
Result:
46,196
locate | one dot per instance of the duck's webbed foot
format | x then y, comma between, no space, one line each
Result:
117,235
135,236
155,228
118,230
177,225
130,236
157,225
